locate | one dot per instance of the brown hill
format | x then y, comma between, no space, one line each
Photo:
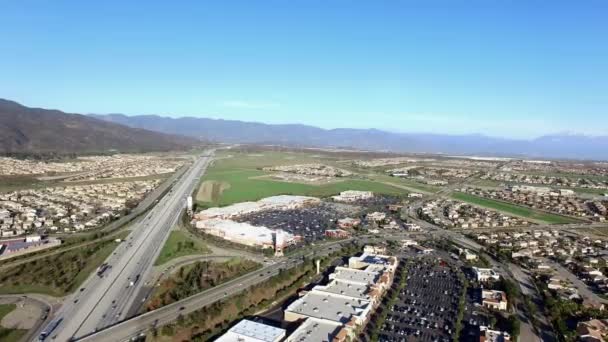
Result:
25,130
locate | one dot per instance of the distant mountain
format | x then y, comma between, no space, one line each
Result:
25,130
231,131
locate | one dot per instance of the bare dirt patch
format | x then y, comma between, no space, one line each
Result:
23,317
211,191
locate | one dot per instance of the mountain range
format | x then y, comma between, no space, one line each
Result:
35,130
25,130
568,146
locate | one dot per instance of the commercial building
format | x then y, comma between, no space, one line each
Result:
595,330
337,233
318,330
329,306
245,233
488,335
353,196
485,274
493,299
282,202
348,299
250,331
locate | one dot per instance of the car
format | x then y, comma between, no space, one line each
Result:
181,308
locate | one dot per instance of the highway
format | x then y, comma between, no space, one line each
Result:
137,326
105,300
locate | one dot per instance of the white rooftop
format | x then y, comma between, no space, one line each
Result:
250,331
329,306
238,230
355,290
268,203
315,330
355,276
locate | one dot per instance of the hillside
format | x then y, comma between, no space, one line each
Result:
232,131
25,130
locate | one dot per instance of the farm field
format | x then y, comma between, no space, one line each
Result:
180,244
513,209
236,180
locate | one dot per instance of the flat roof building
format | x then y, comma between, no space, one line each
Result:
485,274
250,331
355,290
315,330
355,276
329,306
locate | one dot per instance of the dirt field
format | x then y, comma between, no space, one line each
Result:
210,191
24,316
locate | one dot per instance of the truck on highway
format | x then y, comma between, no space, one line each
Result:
49,329
102,269
132,282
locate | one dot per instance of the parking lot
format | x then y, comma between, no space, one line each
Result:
427,306
474,315
308,222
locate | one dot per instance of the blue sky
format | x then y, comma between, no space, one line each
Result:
497,67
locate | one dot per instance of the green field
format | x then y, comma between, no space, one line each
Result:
513,209
180,244
8,334
241,170
409,183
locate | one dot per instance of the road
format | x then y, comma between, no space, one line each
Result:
169,313
107,299
584,290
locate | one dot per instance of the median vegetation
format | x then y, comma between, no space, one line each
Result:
180,244
208,322
59,274
192,279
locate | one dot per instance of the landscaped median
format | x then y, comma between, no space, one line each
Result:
513,209
197,277
180,244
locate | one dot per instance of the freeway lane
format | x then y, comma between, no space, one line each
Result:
166,314
105,300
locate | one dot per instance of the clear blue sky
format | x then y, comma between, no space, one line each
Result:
496,67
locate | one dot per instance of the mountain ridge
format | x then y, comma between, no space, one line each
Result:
26,130
568,146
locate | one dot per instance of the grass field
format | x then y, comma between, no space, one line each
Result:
513,209
240,172
8,334
59,274
415,186
180,244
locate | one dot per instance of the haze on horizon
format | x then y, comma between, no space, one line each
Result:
510,69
